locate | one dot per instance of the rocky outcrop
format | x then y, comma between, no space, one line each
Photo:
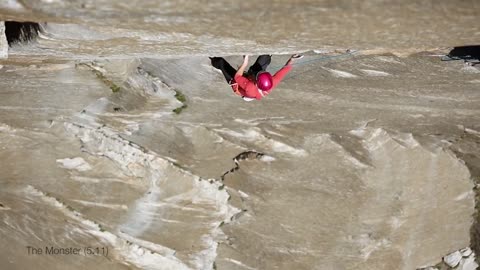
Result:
376,196
155,29
463,259
351,163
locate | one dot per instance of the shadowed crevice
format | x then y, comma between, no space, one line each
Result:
469,54
21,32
247,155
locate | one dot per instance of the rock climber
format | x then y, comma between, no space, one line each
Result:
257,82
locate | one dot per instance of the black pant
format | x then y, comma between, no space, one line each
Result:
229,72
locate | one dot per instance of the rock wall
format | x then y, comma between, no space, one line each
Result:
363,161
92,29
3,42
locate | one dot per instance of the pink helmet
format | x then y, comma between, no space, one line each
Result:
264,81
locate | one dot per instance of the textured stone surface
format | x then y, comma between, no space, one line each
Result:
3,42
453,259
463,259
369,159
359,178
154,29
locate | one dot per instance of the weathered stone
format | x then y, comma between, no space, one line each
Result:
156,29
3,41
453,259
466,252
468,264
360,171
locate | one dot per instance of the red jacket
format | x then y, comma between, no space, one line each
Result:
247,88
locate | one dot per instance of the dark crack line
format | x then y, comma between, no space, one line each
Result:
247,155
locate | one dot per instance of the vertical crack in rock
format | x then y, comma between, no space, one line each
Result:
172,191
167,184
405,191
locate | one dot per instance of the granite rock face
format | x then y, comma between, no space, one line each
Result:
112,138
3,42
150,28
